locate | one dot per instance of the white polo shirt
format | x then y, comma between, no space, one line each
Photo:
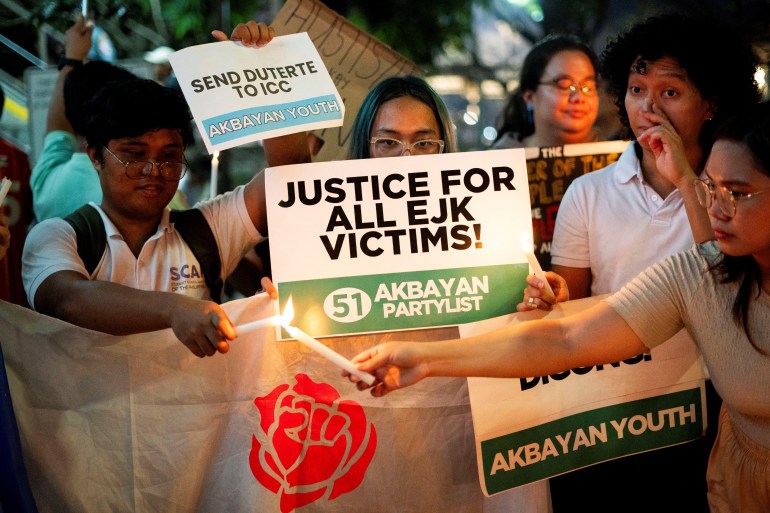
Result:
611,221
165,262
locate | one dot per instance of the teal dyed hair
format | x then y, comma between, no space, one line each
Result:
389,89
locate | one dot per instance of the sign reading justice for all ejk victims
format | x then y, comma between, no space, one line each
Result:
239,94
397,243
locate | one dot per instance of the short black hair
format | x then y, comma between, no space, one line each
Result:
718,58
82,83
132,108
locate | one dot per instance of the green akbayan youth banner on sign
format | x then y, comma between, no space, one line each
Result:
372,245
531,429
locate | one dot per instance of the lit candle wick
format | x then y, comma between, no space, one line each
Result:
323,350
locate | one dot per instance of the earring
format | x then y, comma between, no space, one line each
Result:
530,114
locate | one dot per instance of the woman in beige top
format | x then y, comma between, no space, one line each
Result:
718,290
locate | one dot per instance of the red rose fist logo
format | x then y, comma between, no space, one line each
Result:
310,445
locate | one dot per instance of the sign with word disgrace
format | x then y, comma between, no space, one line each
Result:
550,171
399,243
240,94
540,427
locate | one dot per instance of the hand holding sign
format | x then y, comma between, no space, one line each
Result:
249,34
239,94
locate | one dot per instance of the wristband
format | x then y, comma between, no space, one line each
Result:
66,61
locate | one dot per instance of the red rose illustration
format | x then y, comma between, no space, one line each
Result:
310,445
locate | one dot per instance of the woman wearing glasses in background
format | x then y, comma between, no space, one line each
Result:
557,101
718,290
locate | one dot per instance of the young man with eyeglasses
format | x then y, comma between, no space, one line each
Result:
63,178
148,278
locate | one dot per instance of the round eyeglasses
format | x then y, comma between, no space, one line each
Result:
136,170
707,191
567,86
388,147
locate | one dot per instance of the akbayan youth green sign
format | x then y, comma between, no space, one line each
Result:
531,429
373,245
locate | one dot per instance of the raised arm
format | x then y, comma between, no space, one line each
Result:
596,336
76,47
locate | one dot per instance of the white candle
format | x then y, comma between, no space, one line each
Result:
214,174
5,186
275,320
84,8
526,245
330,354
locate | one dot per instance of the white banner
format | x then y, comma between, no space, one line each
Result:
139,424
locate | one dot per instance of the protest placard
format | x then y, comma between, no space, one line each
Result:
355,60
240,94
550,171
540,427
399,243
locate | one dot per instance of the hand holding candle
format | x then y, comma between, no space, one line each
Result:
285,320
526,246
330,354
323,350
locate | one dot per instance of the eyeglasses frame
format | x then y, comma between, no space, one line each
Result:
152,166
409,147
711,190
574,87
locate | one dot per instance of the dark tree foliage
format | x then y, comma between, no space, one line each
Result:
418,30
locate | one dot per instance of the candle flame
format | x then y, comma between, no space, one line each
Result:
215,158
526,242
288,314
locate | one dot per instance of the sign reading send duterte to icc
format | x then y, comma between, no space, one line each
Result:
399,243
240,94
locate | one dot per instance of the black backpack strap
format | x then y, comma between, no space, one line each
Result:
90,233
196,232
192,226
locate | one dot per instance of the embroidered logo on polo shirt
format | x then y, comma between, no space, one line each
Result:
186,277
